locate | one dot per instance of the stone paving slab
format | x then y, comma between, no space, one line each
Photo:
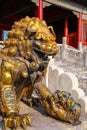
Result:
41,121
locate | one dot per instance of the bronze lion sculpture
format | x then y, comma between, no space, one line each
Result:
25,58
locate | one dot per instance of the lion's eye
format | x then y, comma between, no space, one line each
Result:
42,41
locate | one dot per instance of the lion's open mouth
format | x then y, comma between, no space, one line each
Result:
47,50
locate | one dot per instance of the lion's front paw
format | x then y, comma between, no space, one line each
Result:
60,105
14,122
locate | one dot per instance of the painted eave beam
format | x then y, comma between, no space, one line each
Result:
68,5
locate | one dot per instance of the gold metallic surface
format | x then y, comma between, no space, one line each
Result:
59,105
24,62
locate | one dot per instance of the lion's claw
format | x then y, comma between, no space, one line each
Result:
62,106
14,122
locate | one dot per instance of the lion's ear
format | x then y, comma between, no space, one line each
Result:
52,30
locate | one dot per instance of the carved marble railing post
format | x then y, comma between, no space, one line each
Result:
80,47
85,56
64,46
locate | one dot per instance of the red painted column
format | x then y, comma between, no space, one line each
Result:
40,9
65,37
66,27
79,31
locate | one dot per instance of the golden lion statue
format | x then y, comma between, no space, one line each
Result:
24,62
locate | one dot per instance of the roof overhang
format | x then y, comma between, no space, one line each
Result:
44,3
69,5
84,16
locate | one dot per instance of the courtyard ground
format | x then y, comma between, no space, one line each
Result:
41,121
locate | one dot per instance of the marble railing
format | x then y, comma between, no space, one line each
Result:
70,54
